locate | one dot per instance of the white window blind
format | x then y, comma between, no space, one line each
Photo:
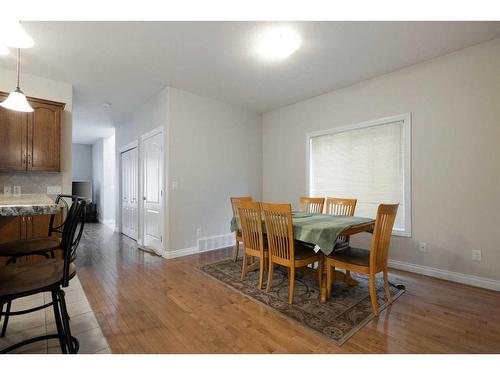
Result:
367,163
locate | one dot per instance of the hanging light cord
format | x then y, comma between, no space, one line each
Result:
18,63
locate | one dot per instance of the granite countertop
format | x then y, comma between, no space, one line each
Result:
26,205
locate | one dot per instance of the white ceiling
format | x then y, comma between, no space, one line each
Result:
124,63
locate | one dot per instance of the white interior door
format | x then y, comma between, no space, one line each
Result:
152,147
129,190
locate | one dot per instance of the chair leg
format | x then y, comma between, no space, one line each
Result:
57,317
330,276
261,271
386,287
320,272
65,320
292,284
270,276
6,319
373,294
244,266
236,250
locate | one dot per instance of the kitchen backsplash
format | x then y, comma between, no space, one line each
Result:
31,183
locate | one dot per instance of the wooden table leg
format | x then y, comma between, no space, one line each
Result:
339,275
346,278
323,281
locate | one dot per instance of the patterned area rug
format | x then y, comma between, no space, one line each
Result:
345,313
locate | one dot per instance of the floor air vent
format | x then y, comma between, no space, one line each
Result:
215,242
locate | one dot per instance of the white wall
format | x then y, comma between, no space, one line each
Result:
213,150
51,90
455,106
108,165
98,177
82,161
103,179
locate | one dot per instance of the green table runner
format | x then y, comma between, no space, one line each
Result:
320,230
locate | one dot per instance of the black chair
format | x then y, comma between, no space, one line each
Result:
44,246
48,275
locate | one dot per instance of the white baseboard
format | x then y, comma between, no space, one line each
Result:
461,278
180,252
204,244
219,241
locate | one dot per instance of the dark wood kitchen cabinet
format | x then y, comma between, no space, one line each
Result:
31,141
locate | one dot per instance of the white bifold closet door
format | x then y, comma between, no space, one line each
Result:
129,188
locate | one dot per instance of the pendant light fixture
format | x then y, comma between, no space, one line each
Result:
17,100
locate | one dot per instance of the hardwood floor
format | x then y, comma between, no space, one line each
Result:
147,304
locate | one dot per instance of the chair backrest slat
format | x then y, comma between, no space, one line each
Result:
386,215
235,200
279,230
312,205
251,225
340,206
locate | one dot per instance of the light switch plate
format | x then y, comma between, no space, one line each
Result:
7,190
17,190
53,190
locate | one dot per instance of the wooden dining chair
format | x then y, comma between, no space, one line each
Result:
238,235
283,249
369,262
342,207
312,205
253,238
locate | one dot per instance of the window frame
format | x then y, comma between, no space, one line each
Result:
405,118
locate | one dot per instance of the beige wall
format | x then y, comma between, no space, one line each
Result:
52,90
455,106
215,151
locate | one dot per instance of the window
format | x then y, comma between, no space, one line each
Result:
369,161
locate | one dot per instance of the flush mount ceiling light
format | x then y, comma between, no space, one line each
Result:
13,35
278,43
16,99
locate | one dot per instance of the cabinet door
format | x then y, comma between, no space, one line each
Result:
10,228
44,137
40,225
13,139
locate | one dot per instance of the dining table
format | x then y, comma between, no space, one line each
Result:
321,231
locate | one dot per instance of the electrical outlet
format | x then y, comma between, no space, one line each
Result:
53,190
422,246
7,190
174,185
476,255
198,232
17,190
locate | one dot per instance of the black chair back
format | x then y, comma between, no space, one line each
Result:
71,235
61,203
